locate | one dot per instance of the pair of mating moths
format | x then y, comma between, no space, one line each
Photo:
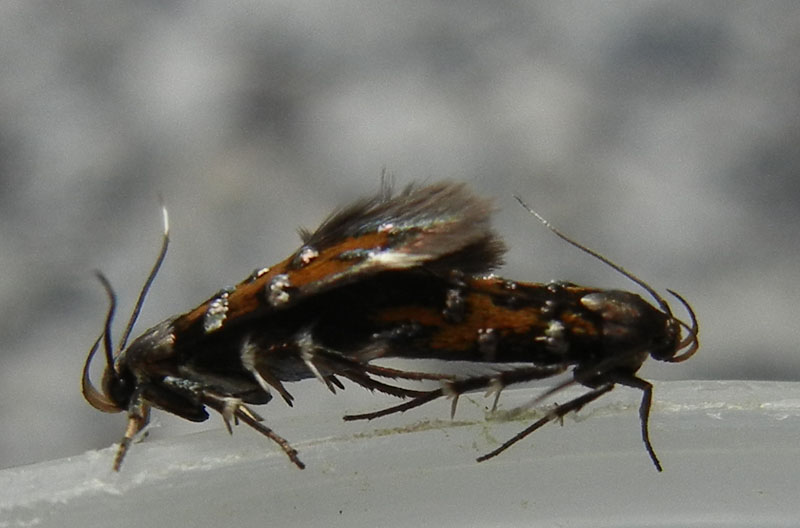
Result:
391,276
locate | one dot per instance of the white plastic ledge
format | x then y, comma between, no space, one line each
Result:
730,450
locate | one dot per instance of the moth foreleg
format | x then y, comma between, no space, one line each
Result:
644,409
138,416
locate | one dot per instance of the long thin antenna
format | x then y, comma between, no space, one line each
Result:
150,278
660,300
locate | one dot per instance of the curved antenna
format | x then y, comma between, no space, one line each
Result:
660,300
97,399
150,278
690,340
112,309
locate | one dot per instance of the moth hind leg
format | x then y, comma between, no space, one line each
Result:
455,387
393,373
421,399
558,413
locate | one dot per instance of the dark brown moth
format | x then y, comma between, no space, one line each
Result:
603,336
243,342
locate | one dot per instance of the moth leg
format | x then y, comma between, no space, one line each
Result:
309,352
557,413
228,408
138,416
454,388
234,408
451,388
260,371
496,389
416,402
495,383
265,379
372,384
163,396
386,372
644,409
333,380
358,373
319,360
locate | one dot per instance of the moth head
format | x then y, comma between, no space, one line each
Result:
667,344
674,347
118,384
630,321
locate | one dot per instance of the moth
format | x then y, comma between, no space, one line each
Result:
529,331
391,276
274,327
542,330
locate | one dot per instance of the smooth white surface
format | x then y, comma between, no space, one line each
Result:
730,453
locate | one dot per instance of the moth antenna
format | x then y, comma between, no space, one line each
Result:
690,340
660,300
112,309
150,278
97,399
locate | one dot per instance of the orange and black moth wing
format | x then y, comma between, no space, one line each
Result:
441,227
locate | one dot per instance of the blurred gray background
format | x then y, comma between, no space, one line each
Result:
663,134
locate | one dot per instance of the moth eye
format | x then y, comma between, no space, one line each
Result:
119,389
